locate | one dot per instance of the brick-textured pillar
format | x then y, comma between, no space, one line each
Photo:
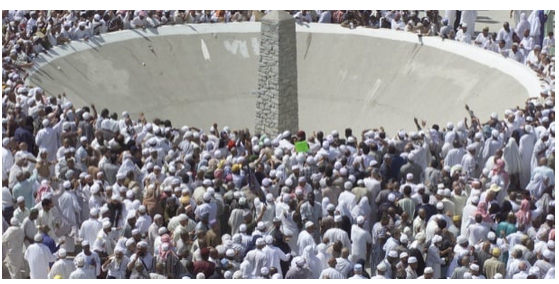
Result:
277,108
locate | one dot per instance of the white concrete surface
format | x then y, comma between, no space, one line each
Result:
199,74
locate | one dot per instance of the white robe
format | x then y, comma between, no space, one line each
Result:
538,147
12,249
305,239
89,230
469,17
511,155
359,240
274,255
526,148
38,256
434,260
48,138
62,267
336,234
257,259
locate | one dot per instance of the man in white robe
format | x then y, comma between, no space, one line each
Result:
257,258
306,237
48,138
62,267
92,262
526,149
89,228
469,17
71,210
12,249
80,272
361,241
337,234
273,254
38,256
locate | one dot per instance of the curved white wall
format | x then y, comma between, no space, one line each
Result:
199,74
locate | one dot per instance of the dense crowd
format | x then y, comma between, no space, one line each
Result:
88,194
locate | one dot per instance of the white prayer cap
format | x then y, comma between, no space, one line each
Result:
358,267
447,192
143,244
83,139
269,239
45,122
428,270
260,226
475,199
66,184
412,259
550,217
471,147
120,176
547,254
94,212
491,236
14,221
474,267
80,261
410,175
182,217
440,205
436,239
299,261
85,243
343,171
264,271
115,197
5,141
162,231
243,228
404,255
381,267
308,224
230,253
157,216
360,220
330,207
461,239
551,244
393,254
337,218
494,133
104,210
135,232
106,224
227,275
242,201
129,242
404,239
129,193
269,197
62,253
498,276
391,197
260,242
298,191
20,199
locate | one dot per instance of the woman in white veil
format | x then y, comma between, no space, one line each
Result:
513,162
313,261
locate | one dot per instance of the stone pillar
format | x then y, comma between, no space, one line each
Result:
277,105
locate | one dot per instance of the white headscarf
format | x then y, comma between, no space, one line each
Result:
511,155
313,261
536,186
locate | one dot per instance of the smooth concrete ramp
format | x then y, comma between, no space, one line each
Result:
196,75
